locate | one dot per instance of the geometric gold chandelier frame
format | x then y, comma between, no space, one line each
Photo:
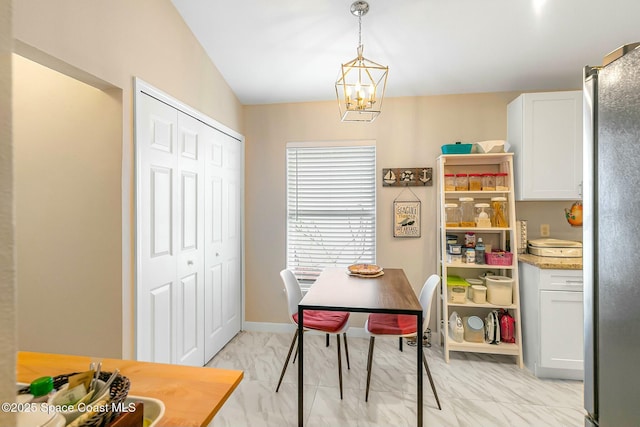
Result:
361,82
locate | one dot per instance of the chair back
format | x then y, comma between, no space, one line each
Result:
294,294
426,296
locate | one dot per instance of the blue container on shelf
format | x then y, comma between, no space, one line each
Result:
457,148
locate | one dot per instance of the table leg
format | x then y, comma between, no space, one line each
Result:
300,365
419,354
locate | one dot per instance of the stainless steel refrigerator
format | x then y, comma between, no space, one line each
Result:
611,252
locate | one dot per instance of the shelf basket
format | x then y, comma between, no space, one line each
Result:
499,258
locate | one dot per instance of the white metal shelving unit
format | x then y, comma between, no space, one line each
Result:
498,237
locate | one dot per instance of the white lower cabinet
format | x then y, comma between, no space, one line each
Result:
552,321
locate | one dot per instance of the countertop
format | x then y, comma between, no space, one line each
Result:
191,395
551,262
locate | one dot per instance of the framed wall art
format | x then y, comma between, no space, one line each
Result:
406,218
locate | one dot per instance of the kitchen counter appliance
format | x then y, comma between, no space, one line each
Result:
555,248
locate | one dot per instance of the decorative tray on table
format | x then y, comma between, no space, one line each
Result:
365,270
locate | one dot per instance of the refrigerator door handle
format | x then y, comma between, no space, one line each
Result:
589,244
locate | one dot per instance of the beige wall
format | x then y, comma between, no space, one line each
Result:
107,43
68,169
7,257
552,213
408,133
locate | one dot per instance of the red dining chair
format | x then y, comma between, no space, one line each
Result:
330,322
402,325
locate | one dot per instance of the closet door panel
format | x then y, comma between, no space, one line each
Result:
156,232
189,298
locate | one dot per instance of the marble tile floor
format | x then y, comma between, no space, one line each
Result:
474,390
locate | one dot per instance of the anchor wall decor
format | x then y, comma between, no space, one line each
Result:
404,177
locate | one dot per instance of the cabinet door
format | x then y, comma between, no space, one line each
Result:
545,130
561,330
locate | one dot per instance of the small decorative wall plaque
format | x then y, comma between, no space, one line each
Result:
406,218
404,177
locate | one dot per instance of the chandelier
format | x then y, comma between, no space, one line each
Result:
361,83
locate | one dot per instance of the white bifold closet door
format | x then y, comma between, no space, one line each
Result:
223,261
188,260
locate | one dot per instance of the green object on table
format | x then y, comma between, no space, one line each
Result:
41,386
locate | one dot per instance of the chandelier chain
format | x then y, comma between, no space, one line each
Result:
360,30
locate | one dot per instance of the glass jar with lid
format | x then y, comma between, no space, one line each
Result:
452,215
468,218
502,181
462,182
449,182
483,218
499,214
488,182
475,181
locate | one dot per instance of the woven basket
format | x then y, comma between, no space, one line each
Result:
118,392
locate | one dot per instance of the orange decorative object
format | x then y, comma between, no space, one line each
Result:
574,215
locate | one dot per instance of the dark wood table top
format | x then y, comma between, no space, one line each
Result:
336,290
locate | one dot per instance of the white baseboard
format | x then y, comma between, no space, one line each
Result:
290,328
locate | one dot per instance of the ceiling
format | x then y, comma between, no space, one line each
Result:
278,51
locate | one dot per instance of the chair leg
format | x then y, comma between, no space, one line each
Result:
286,362
372,341
346,349
295,355
339,365
327,340
433,386
400,343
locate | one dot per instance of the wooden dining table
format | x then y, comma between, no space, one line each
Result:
336,290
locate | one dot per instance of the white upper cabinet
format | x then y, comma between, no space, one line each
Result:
545,133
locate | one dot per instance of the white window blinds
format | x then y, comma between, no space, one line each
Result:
331,208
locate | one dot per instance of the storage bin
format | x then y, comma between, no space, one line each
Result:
499,212
479,294
454,258
499,290
453,215
502,181
473,329
489,182
472,282
475,181
467,209
449,182
462,182
457,294
498,258
456,148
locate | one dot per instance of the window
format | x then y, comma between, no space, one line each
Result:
331,207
